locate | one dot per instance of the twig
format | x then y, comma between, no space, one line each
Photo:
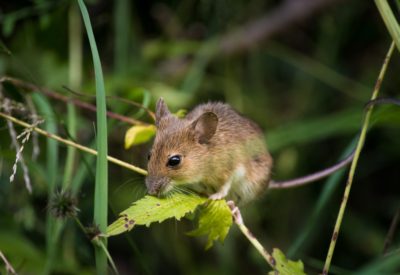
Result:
9,267
18,148
76,102
355,161
131,102
71,143
237,217
35,141
392,229
287,14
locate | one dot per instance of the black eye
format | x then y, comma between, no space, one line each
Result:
149,156
174,161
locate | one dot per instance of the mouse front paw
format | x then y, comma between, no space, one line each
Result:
217,196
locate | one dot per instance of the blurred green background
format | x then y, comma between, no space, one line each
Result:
305,82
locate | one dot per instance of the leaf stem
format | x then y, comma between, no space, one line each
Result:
237,217
359,147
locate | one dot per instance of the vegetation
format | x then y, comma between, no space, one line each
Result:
304,72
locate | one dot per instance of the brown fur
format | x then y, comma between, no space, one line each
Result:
217,145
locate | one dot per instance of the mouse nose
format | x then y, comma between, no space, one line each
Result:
155,184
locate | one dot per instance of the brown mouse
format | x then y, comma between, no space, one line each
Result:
213,151
217,152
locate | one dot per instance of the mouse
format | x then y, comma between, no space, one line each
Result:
216,152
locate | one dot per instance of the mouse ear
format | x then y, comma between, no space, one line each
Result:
205,126
161,110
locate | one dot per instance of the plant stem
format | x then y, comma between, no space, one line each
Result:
52,159
359,147
84,105
110,259
237,217
9,267
74,144
101,185
75,80
391,233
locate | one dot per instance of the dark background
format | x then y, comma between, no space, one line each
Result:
304,80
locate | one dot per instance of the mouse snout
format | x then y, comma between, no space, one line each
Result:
155,185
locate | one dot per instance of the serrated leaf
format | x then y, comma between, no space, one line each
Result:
152,209
139,134
214,221
284,266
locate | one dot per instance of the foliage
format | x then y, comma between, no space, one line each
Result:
285,266
152,209
100,211
214,221
305,86
139,134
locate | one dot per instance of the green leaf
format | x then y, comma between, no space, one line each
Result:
284,266
101,180
181,113
215,221
151,209
139,134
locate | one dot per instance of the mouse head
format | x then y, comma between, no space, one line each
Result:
180,151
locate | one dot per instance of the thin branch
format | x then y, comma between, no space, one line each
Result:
237,217
18,148
71,143
32,87
131,102
355,161
9,267
392,229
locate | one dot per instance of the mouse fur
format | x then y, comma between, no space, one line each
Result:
220,154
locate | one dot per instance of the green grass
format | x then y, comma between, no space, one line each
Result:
101,184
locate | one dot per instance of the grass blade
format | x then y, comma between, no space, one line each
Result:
390,20
75,79
352,171
52,166
101,185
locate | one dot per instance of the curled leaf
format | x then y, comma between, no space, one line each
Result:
139,134
214,221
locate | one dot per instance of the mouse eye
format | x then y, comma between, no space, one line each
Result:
148,155
174,161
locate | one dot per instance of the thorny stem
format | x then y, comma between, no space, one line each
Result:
237,217
73,144
360,144
9,267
